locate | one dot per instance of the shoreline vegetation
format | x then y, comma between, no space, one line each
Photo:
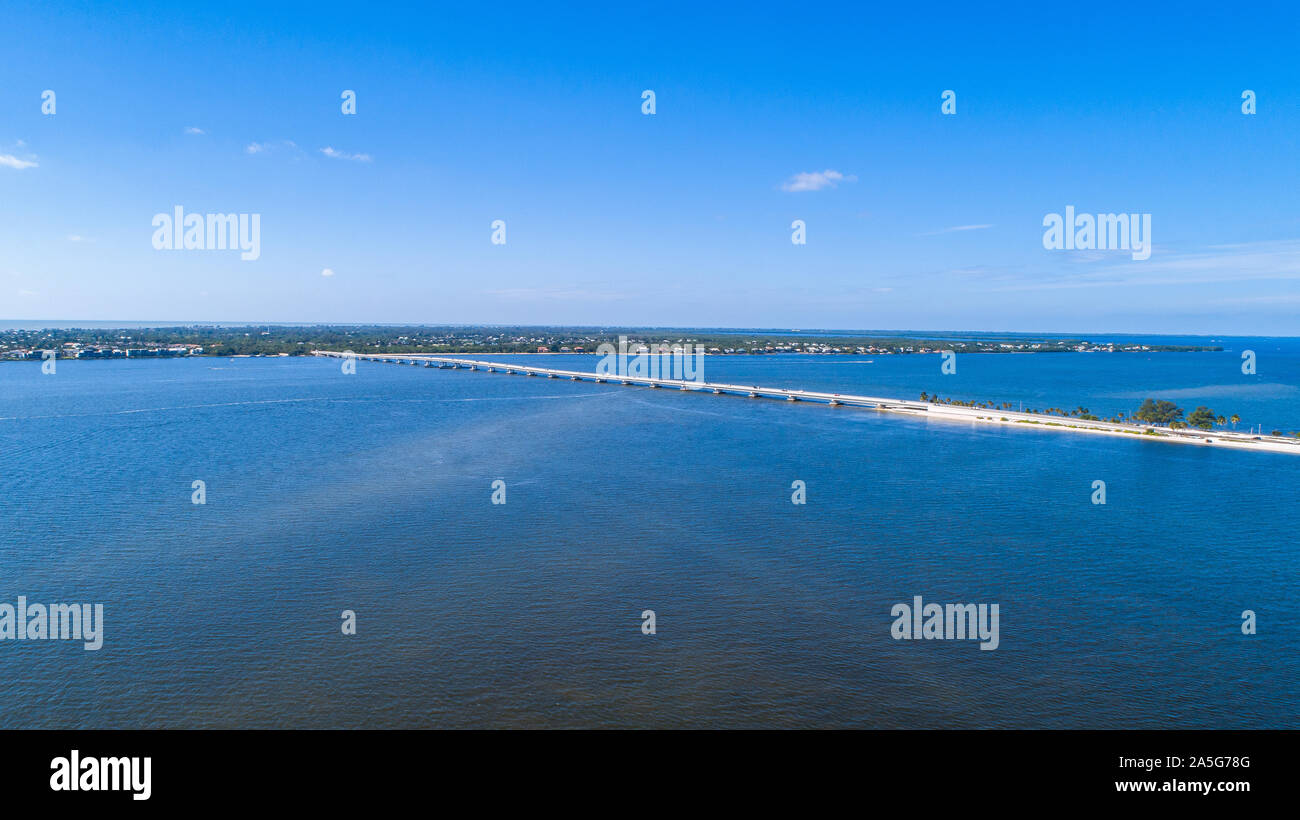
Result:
1153,415
280,340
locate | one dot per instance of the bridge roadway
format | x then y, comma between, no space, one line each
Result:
753,391
948,412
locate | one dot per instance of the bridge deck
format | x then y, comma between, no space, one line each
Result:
893,405
648,381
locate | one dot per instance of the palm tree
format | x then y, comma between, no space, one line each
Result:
1235,418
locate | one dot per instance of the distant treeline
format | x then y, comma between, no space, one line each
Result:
300,340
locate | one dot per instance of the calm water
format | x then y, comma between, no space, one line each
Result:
372,493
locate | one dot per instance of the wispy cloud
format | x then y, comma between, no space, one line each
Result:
264,147
77,238
193,130
816,180
336,154
11,161
1269,299
327,273
1253,261
956,228
565,294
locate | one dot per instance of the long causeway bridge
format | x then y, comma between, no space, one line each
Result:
1221,438
752,391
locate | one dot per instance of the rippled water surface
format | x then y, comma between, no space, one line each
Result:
372,493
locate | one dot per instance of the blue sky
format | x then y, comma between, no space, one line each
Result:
470,114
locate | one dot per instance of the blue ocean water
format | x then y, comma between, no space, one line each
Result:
372,493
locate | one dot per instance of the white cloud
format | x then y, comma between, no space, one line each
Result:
11,161
327,273
816,180
256,147
336,154
77,238
193,130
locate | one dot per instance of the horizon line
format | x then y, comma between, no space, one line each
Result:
128,324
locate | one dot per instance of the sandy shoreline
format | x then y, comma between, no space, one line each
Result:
1237,441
